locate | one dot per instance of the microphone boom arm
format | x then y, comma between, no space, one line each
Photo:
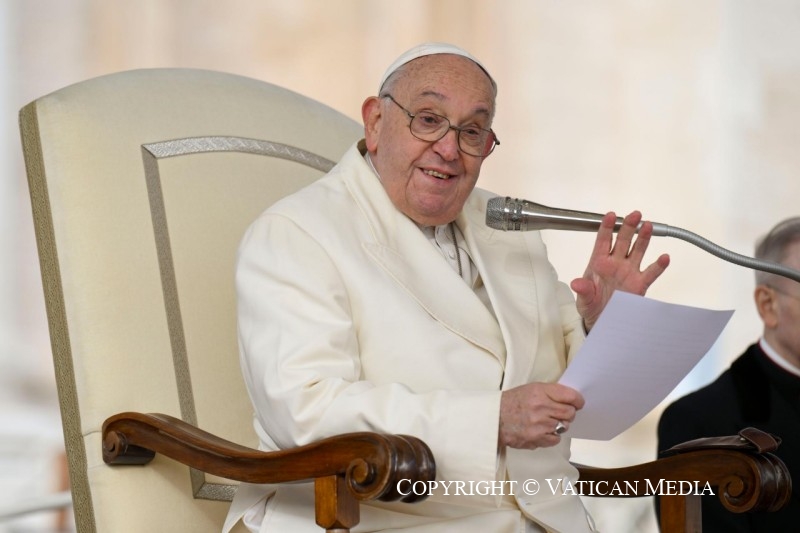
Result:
727,255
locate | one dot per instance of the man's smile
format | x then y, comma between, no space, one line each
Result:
435,174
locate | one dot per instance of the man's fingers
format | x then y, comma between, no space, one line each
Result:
652,272
625,235
602,244
561,394
639,247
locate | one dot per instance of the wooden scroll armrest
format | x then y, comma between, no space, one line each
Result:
743,480
346,469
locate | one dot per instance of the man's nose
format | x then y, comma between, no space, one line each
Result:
447,146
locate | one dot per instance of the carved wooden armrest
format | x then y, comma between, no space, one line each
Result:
744,480
346,469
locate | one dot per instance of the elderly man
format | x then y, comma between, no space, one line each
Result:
760,389
376,299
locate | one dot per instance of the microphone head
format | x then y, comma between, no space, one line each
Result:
496,213
514,214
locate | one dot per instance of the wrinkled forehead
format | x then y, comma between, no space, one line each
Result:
427,50
444,78
458,91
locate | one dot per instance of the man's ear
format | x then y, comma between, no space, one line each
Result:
371,115
766,306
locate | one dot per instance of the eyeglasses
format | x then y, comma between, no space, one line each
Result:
430,127
787,294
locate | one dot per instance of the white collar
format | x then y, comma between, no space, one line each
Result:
777,358
369,162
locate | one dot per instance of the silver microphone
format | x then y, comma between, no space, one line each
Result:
513,214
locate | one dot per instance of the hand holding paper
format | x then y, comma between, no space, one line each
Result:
638,351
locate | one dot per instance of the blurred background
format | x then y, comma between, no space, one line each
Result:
686,110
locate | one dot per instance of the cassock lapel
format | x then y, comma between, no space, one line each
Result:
505,265
427,277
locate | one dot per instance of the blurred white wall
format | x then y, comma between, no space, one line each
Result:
686,110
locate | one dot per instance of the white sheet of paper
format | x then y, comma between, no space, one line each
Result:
638,351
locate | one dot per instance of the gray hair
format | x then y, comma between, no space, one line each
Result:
774,247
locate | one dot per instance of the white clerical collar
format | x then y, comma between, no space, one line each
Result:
776,358
369,162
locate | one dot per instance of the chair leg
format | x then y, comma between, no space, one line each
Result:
681,514
336,506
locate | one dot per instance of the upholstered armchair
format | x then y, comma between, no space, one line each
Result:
142,184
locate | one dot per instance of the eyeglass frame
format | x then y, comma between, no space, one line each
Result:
458,130
781,291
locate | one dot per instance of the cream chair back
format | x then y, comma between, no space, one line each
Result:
142,184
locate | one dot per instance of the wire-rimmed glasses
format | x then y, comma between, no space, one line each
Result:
430,127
